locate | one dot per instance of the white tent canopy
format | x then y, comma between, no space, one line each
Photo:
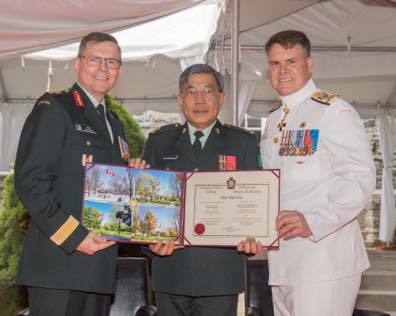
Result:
183,34
37,24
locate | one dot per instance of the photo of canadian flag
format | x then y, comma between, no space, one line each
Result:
110,172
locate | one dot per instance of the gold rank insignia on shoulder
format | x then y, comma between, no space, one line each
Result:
44,102
323,97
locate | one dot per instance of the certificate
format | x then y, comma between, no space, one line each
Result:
223,208
191,208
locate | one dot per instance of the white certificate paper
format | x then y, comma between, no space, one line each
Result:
223,208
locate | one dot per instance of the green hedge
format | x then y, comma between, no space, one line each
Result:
14,220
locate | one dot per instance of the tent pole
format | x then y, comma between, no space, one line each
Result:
3,89
391,96
50,75
234,59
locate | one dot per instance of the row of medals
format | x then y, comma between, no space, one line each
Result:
288,146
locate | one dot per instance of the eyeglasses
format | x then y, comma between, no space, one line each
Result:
96,61
205,92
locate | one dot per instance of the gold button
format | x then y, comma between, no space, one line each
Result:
276,140
88,143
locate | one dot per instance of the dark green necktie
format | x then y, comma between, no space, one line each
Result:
101,110
197,146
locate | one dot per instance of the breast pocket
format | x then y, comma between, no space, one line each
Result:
169,162
81,148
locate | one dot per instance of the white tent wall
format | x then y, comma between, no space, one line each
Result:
12,118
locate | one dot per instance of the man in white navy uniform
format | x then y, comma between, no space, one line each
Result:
319,143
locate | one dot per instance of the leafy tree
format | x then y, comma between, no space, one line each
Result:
149,223
13,225
133,134
14,219
135,220
92,218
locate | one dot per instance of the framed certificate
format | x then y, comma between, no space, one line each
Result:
191,208
223,208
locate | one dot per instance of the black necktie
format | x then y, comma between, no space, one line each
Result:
101,111
197,146
102,115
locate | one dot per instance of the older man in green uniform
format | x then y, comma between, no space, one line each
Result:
68,270
200,281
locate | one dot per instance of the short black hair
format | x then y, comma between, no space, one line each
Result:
200,69
289,39
96,37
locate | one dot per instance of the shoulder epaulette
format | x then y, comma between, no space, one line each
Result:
276,106
56,92
323,97
239,129
166,128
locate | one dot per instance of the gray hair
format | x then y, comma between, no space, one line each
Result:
96,37
200,69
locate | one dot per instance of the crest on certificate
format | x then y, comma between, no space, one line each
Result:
231,183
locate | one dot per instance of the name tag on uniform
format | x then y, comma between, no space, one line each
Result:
170,157
84,128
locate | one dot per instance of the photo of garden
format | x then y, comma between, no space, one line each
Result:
132,205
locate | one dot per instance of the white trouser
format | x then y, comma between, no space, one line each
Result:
328,298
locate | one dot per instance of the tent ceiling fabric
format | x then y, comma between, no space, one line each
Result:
182,34
28,25
254,13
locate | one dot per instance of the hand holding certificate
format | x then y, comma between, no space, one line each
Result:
191,209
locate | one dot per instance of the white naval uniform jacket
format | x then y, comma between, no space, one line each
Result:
330,187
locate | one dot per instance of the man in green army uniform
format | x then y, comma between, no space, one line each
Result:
197,280
69,271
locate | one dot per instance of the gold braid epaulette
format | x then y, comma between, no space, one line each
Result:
323,97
